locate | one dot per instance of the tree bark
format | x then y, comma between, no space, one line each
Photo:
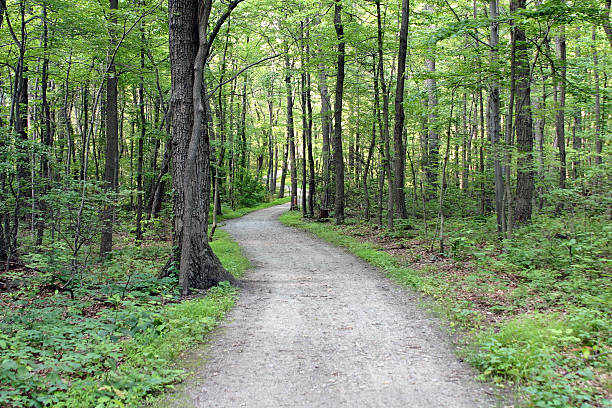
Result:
338,160
560,117
524,128
143,132
281,191
399,159
47,137
385,115
111,163
189,49
493,116
290,132
433,138
597,110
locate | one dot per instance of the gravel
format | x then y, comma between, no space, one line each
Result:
315,326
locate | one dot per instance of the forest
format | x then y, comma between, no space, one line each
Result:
461,146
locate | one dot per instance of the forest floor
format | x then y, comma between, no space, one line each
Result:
316,326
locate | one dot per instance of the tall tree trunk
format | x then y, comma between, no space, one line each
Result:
597,110
524,128
399,159
47,138
271,168
311,164
143,132
433,138
290,132
493,116
304,119
366,166
243,142
560,117
385,115
338,160
326,128
576,141
112,135
189,49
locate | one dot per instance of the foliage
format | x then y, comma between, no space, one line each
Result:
114,344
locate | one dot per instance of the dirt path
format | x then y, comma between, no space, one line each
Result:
317,327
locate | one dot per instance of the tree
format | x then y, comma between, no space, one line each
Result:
524,127
385,118
399,163
111,166
190,44
493,118
337,139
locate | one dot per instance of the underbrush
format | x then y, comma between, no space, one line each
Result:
110,341
534,309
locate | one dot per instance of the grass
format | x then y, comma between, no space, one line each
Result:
534,315
116,342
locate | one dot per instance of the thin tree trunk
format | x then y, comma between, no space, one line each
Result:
290,133
385,114
143,130
433,138
311,164
281,191
560,117
493,116
338,160
47,138
597,110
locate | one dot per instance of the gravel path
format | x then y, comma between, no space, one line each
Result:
317,327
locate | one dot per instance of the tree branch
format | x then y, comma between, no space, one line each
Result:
240,72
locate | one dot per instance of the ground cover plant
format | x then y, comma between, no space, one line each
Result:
113,339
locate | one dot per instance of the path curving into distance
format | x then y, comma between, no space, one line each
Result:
317,327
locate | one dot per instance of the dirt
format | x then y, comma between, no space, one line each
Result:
317,327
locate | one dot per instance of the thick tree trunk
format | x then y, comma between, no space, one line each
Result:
189,47
399,159
524,128
112,152
338,159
